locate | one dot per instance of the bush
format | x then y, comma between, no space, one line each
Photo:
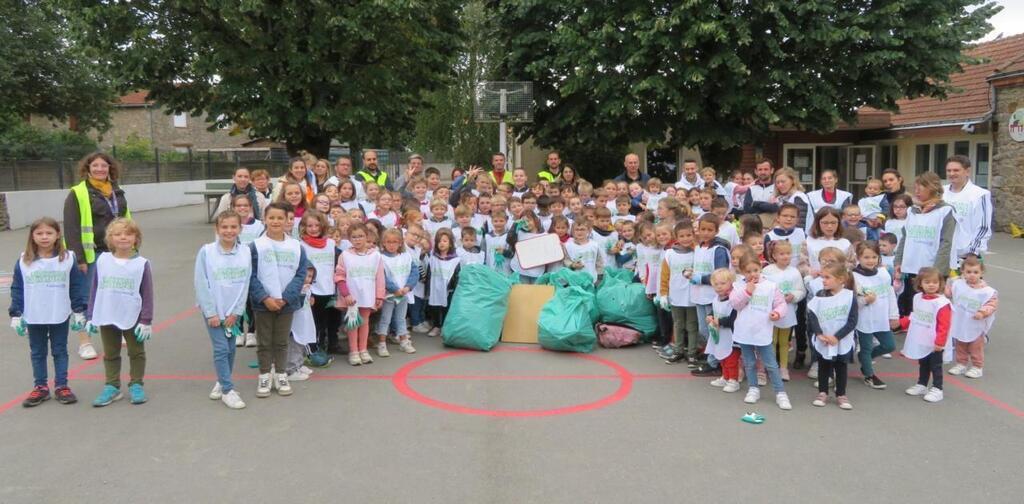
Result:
20,140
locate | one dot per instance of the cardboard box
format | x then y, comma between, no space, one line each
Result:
524,305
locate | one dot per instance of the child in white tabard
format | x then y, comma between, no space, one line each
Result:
974,309
360,280
781,271
928,338
401,274
442,278
832,319
469,251
582,253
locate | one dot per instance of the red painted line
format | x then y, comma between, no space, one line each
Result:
515,377
985,397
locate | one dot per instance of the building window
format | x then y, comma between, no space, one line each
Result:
981,164
941,154
922,160
181,120
888,158
962,148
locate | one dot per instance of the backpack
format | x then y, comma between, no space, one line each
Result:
616,336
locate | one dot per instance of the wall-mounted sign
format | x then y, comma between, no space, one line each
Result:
1016,125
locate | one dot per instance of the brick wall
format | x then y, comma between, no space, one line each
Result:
154,124
1008,161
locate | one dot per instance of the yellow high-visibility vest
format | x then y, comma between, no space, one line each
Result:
81,191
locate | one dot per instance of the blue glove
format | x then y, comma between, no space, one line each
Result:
77,322
19,326
143,332
694,279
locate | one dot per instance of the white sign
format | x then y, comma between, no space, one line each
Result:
1016,125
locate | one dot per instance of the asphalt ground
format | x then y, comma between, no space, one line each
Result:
511,426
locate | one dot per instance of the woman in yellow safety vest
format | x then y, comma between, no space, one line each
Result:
91,205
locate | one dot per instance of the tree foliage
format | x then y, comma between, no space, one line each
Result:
43,73
300,71
716,74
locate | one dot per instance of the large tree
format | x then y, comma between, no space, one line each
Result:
301,71
716,74
43,73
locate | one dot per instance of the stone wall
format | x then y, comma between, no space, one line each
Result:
1008,161
154,124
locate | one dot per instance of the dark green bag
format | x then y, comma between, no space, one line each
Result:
566,322
478,308
624,302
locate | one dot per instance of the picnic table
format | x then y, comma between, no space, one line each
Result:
213,192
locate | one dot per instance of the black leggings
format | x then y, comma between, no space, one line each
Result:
665,327
906,300
327,319
800,333
930,365
829,368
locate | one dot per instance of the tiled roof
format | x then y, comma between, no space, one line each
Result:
136,99
972,101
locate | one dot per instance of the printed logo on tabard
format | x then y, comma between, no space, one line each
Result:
1016,125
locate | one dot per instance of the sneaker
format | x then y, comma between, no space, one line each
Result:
137,394
974,372
798,360
250,340
422,327
233,400
731,386
393,339
812,372
65,396
108,395
217,392
382,350
753,394
887,356
263,385
782,399
674,358
39,394
874,382
934,395
281,384
86,351
406,346
785,374
364,356
691,362
297,375
240,341
917,390
844,402
820,400
306,370
718,382
762,379
353,359
957,370
706,370
435,332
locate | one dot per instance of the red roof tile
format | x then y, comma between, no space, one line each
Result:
134,99
972,101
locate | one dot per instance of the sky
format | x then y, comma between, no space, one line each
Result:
1009,21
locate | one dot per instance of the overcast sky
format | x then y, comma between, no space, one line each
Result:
1010,21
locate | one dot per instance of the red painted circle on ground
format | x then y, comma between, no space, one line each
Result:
401,382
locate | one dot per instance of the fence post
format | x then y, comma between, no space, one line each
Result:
60,166
157,151
208,167
14,173
191,175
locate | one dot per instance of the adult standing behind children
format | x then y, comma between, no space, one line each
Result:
343,172
370,172
972,209
828,195
244,186
892,182
499,175
632,170
554,167
690,179
758,199
91,205
299,174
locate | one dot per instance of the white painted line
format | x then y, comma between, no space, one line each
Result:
990,265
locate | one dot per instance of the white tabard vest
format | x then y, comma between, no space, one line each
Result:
870,206
441,272
678,285
704,265
494,245
227,277
832,313
303,325
431,226
397,268
787,280
966,301
361,276
648,260
875,317
467,257
250,232
420,290
816,245
723,348
920,341
47,284
796,239
604,243
278,263
586,254
922,234
816,201
388,220
323,262
753,327
118,297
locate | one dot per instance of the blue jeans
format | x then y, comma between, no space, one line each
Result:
767,354
40,336
417,311
392,314
223,356
868,350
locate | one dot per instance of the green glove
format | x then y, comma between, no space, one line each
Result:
91,329
77,322
19,326
713,332
143,332
352,318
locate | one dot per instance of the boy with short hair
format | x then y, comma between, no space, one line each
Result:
622,207
438,217
469,251
586,191
433,177
495,242
604,234
463,219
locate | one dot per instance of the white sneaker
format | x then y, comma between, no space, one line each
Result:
887,356
306,369
718,382
406,346
917,390
297,375
250,340
933,395
422,327
393,339
435,332
812,372
217,391
263,385
731,386
233,400
87,352
974,372
281,384
957,370
364,356
753,394
382,350
783,401
353,359
240,341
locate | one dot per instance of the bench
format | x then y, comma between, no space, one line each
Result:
213,192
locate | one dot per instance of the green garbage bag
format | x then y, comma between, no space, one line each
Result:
478,308
621,301
566,277
566,322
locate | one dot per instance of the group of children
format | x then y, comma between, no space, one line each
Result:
356,257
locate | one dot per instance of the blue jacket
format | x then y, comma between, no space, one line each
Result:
292,294
79,291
